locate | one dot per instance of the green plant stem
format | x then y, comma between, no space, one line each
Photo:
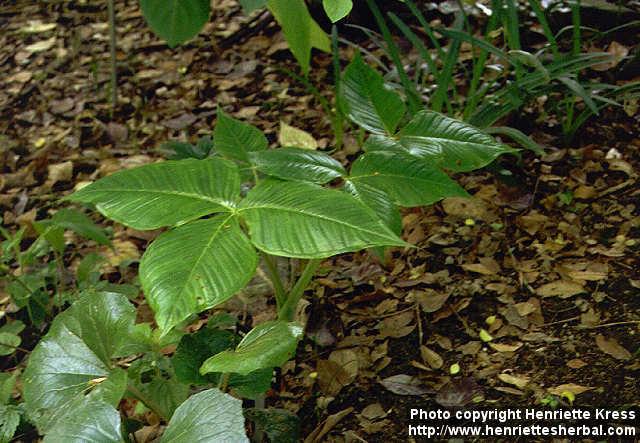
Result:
278,287
224,381
137,393
575,19
288,310
338,116
112,54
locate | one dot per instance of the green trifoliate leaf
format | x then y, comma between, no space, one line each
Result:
268,345
408,180
450,143
298,165
88,421
73,360
306,221
300,29
164,194
207,417
194,349
235,139
337,9
176,21
369,103
195,267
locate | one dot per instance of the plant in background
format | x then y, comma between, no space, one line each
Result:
523,76
300,204
176,22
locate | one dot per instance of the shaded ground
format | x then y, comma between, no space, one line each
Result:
544,260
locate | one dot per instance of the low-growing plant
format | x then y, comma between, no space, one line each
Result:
242,204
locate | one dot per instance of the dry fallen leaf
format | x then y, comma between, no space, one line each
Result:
431,357
612,347
290,136
403,384
430,300
576,363
560,288
501,347
518,381
569,387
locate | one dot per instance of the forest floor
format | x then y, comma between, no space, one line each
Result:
545,262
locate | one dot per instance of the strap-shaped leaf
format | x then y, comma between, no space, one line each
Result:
73,358
453,144
164,194
369,103
300,29
268,345
408,180
298,164
88,421
207,417
306,221
235,139
195,267
176,21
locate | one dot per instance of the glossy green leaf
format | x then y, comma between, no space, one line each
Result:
194,349
280,425
73,359
408,180
248,6
306,221
236,139
88,421
153,376
194,267
206,417
9,421
7,383
176,21
80,224
268,345
164,194
450,143
300,29
337,9
8,343
379,201
298,164
369,103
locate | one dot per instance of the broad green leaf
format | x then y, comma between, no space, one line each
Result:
369,103
306,221
206,417
268,345
80,224
7,383
300,29
88,421
337,9
235,139
164,194
279,424
450,143
408,180
298,165
72,360
289,136
194,349
248,6
176,21
194,267
8,343
379,201
154,377
9,421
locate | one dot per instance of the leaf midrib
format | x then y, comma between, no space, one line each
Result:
218,201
